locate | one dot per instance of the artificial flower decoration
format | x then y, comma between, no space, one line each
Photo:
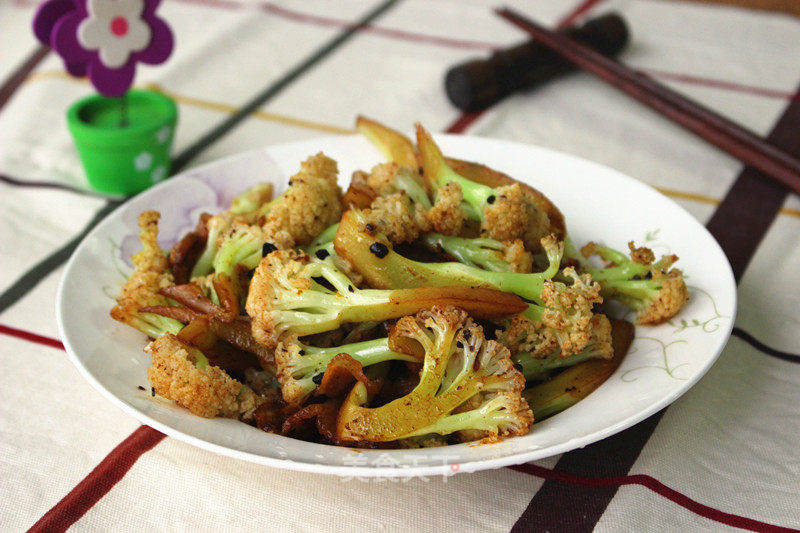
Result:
115,30
104,39
47,16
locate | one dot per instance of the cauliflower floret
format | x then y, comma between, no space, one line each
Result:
655,291
151,273
563,324
642,255
507,404
382,178
521,334
180,372
360,178
446,215
152,257
403,220
505,213
403,206
278,272
668,300
601,341
569,310
513,215
517,256
539,365
312,203
459,363
398,218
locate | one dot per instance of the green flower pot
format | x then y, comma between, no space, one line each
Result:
124,160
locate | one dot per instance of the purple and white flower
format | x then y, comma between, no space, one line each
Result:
104,39
114,29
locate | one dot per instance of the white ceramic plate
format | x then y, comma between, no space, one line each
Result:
598,203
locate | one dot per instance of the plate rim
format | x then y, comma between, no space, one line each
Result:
391,471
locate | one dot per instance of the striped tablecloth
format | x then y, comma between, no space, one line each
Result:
724,456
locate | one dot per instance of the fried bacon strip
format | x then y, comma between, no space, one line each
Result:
219,352
192,296
228,298
186,251
179,313
236,331
269,416
359,195
325,415
340,375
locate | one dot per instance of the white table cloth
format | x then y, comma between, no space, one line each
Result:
723,456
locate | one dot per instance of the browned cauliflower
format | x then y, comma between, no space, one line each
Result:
641,255
180,372
397,217
459,363
538,361
562,325
512,215
515,254
669,298
521,334
654,290
312,203
402,210
278,273
383,178
151,273
505,213
569,310
446,216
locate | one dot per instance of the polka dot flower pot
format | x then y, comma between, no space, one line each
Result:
124,159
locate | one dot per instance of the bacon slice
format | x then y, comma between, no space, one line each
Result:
184,254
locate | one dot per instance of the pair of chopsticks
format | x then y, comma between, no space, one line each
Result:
723,133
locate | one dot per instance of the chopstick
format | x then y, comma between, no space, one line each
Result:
725,134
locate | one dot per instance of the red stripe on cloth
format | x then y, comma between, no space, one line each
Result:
31,337
99,481
377,30
329,22
659,488
719,84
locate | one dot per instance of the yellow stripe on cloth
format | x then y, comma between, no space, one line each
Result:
209,104
329,128
713,201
